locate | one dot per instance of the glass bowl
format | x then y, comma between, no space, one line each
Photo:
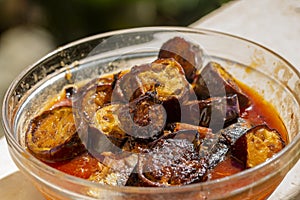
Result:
258,67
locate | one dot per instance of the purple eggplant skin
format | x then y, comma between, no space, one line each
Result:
127,126
97,142
128,87
184,157
150,78
163,78
257,145
144,121
53,135
215,113
187,54
215,81
94,95
171,162
143,118
215,146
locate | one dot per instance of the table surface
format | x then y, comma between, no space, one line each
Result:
273,23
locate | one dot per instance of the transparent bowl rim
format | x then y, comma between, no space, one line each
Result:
128,189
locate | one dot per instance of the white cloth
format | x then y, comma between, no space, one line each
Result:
7,165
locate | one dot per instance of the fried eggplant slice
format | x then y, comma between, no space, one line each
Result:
117,169
143,118
95,94
186,53
257,145
215,146
128,87
171,162
144,121
165,77
137,123
193,134
215,113
233,132
64,98
215,81
106,121
53,135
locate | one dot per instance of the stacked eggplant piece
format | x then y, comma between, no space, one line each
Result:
165,123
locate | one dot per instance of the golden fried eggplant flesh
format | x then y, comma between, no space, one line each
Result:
257,145
165,77
170,122
186,53
140,120
52,136
106,121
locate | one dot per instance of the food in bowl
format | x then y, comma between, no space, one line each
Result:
74,72
170,122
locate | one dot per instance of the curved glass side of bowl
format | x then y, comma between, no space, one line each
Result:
269,74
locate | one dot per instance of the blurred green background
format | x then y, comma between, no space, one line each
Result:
29,29
68,20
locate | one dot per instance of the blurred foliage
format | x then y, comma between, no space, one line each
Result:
69,20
